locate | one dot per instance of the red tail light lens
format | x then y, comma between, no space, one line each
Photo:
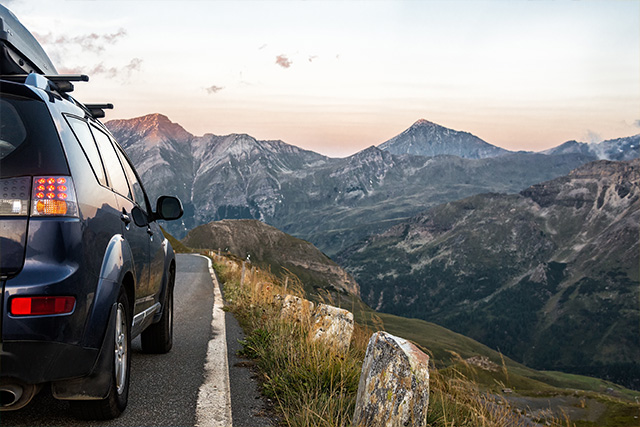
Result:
41,306
54,196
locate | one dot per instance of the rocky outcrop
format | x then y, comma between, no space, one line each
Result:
333,326
394,384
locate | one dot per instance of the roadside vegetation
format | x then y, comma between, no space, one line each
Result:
312,385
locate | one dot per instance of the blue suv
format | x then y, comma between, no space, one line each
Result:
84,266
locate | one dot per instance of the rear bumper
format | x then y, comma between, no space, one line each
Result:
36,362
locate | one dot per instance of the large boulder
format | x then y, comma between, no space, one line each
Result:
394,384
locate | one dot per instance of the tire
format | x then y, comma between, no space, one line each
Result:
116,401
158,338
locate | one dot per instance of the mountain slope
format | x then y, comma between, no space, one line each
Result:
271,248
425,138
549,276
614,149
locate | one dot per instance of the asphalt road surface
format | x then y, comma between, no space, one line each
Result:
165,389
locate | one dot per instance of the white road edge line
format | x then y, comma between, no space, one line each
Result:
214,397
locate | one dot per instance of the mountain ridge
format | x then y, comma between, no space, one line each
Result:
523,272
306,194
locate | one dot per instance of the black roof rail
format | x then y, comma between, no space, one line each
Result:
97,110
62,81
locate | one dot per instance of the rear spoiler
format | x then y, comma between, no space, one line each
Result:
20,52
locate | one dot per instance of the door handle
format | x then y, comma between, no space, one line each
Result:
125,217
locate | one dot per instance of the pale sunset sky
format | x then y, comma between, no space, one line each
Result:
338,76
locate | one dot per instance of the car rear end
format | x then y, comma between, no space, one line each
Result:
47,291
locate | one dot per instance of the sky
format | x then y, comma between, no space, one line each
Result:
336,77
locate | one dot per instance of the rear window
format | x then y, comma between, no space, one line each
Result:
29,143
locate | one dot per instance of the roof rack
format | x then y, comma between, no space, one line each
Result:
97,110
62,82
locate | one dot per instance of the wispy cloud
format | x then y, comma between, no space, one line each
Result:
124,71
213,89
93,48
283,61
92,42
593,137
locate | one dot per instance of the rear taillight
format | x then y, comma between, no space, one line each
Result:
41,306
53,196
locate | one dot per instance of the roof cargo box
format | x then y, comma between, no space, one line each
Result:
20,52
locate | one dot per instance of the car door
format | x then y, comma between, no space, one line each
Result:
156,239
136,236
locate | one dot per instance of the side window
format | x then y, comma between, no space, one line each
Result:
81,130
111,163
138,192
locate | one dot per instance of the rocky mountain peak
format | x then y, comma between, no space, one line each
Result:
425,138
154,128
423,122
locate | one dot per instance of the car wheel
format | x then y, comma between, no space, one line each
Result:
116,401
158,338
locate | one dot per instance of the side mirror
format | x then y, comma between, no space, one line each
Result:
168,208
139,217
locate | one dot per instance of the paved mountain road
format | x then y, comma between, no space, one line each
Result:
165,388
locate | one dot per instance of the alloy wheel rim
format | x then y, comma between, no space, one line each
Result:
121,349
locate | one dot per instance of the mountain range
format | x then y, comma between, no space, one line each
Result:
331,202
451,229
548,276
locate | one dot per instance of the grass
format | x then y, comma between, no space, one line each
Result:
313,384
